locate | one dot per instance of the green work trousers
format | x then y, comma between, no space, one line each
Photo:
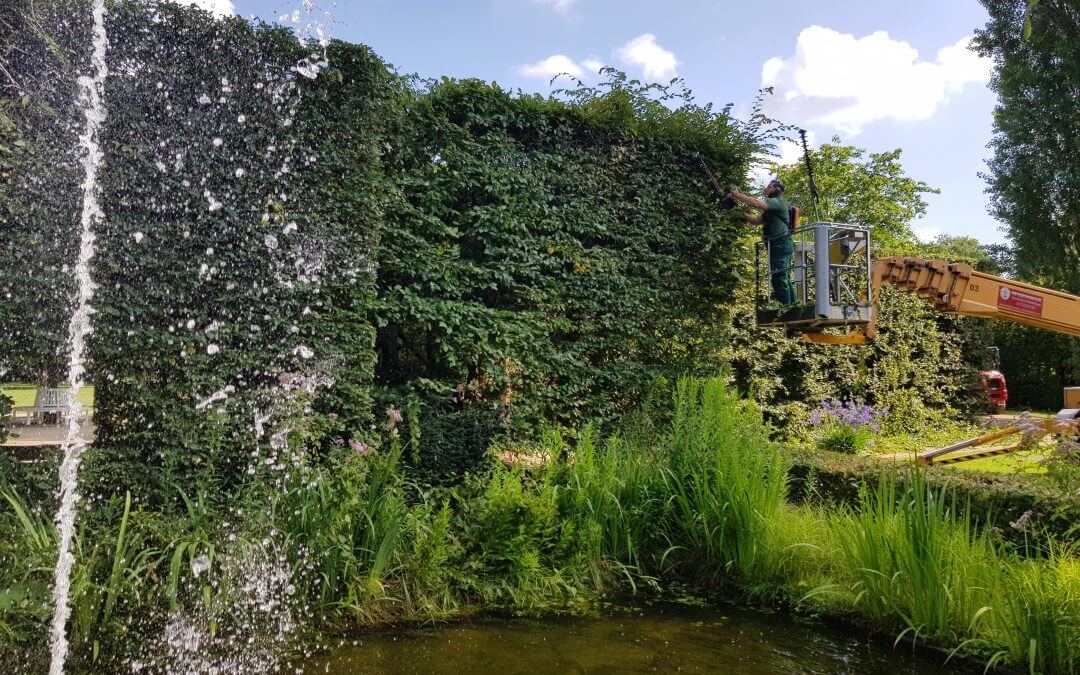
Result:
780,272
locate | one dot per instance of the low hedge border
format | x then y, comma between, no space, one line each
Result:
997,500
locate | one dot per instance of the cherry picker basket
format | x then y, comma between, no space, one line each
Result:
830,275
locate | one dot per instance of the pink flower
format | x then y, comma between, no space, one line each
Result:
360,447
393,416
333,417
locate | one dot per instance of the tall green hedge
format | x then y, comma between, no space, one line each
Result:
551,259
39,172
236,254
267,208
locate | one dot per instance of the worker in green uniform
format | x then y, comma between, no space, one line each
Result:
775,220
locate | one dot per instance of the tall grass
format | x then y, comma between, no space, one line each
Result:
916,562
612,495
1039,619
726,481
343,527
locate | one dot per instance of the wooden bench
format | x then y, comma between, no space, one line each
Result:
46,401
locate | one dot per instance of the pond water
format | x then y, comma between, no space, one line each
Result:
645,638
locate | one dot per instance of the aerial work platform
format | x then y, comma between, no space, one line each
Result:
830,274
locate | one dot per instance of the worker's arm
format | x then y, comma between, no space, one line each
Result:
752,219
748,200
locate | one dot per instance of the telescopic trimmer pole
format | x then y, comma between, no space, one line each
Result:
809,172
716,183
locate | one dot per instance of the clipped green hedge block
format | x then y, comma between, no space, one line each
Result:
997,500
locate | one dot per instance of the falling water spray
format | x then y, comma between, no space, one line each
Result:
92,89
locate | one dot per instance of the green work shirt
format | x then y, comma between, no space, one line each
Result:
776,229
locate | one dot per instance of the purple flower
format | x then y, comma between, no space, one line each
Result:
848,413
1022,522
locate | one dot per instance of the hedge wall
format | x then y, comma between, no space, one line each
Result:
998,500
550,260
234,267
39,172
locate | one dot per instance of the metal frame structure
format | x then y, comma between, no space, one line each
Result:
836,252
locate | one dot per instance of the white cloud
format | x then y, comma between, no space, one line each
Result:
552,66
559,64
217,7
761,172
592,65
790,151
926,234
657,63
562,7
838,80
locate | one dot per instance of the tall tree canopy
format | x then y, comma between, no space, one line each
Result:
860,188
1034,176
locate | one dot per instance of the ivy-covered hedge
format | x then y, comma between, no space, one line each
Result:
39,172
233,269
917,368
5,416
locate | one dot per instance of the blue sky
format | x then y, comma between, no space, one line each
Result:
881,75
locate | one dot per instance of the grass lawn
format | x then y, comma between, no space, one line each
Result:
24,394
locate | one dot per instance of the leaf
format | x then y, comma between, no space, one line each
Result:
1028,11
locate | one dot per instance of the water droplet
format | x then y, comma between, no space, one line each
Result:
212,204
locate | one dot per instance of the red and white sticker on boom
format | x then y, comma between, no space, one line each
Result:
1020,301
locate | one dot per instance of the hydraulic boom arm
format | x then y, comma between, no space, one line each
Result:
956,288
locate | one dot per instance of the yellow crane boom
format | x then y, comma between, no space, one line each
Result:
959,289
956,288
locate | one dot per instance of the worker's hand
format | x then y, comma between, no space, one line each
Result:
732,190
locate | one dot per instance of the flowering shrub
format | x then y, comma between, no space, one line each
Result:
845,426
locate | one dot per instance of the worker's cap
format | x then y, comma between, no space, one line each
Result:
778,183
